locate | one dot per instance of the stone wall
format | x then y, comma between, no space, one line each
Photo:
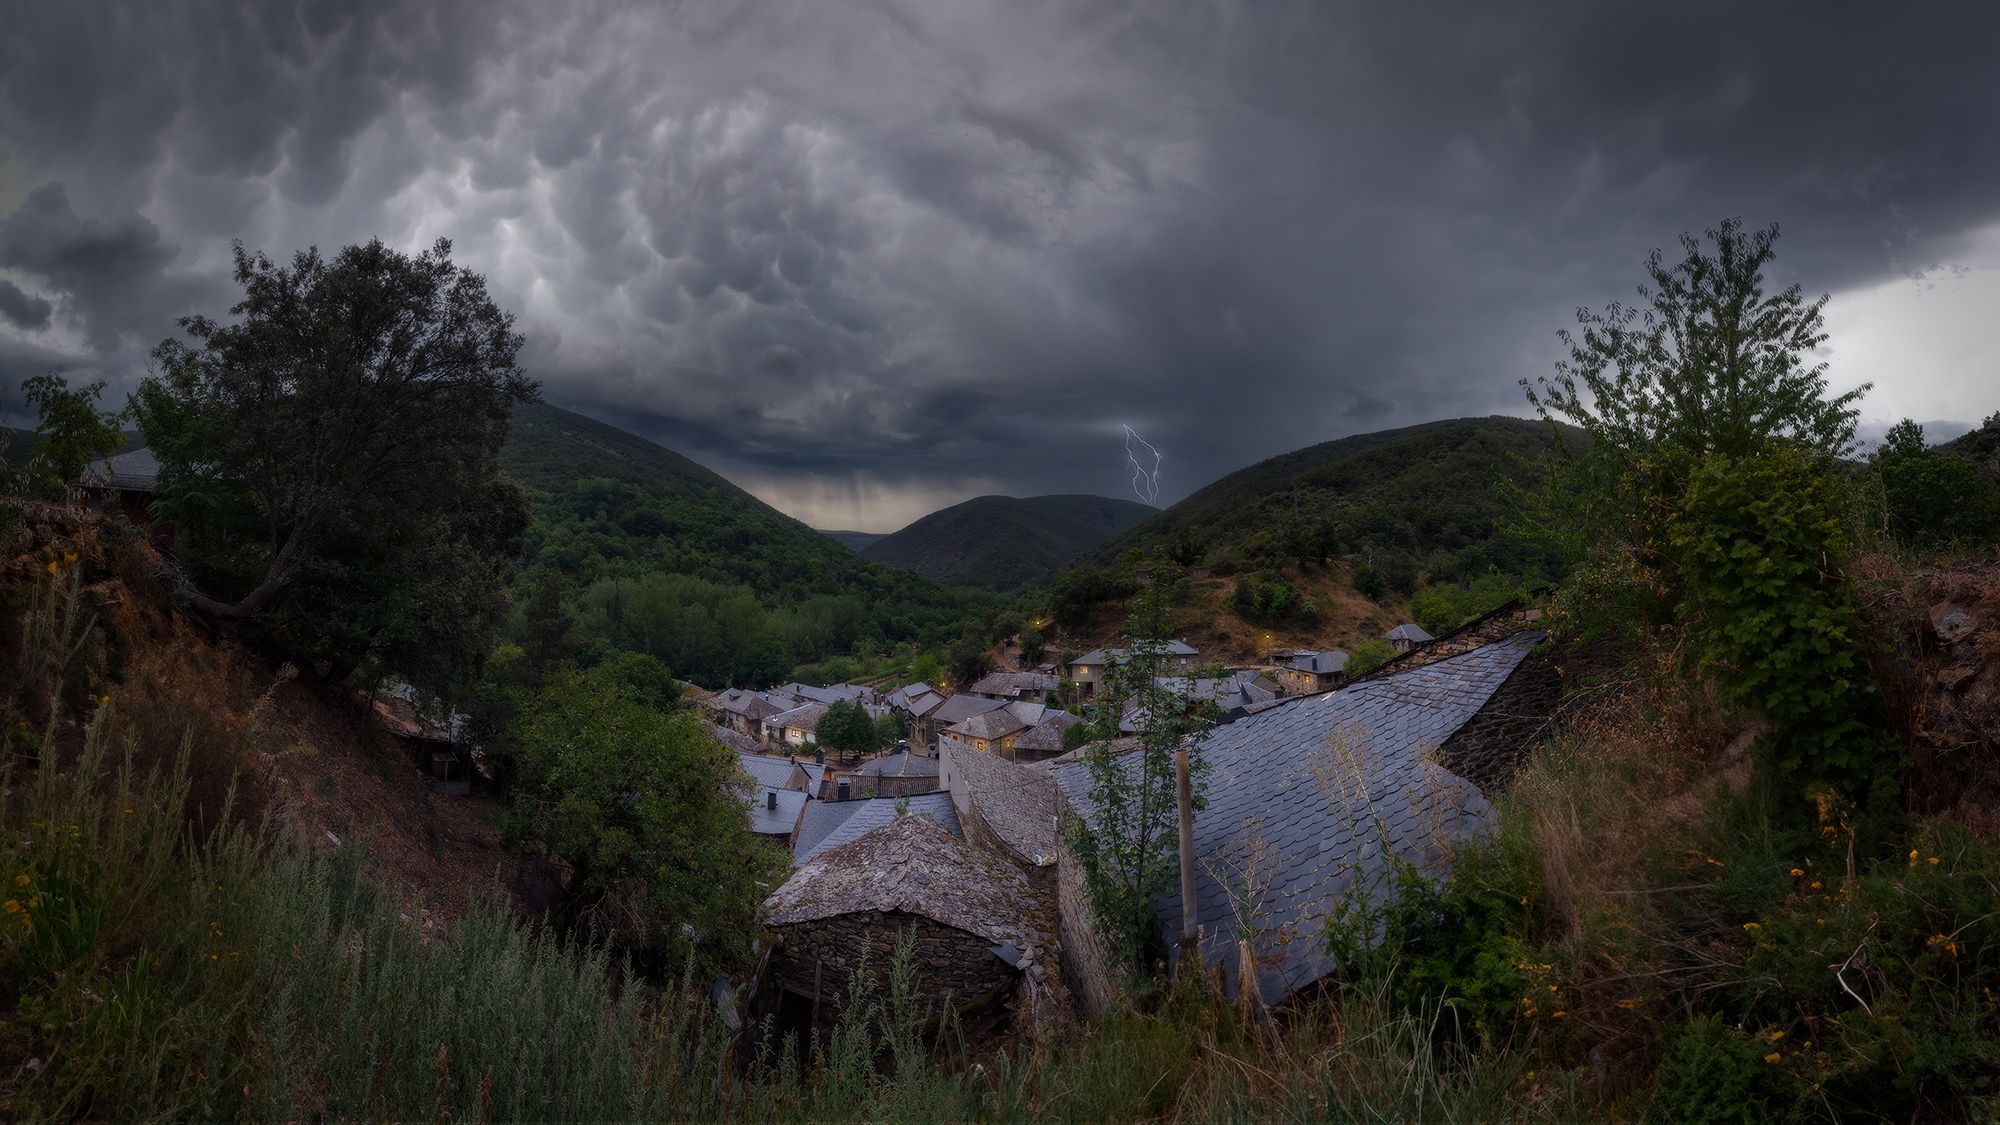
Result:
1491,748
1086,965
953,967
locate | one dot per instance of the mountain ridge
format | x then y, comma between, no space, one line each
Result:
1005,541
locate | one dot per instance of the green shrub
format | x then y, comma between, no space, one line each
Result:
1368,656
1760,543
1717,1075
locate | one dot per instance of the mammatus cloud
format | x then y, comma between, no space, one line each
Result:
22,309
868,256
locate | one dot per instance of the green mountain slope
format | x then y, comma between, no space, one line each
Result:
1001,541
1425,489
853,540
671,559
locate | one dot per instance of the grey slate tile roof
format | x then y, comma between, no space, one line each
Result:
997,723
1046,736
1107,655
1326,817
741,743
959,708
1007,684
1318,663
767,821
1409,632
749,704
1017,803
776,773
914,866
134,471
903,764
829,824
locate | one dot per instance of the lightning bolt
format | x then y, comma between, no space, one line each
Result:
1145,482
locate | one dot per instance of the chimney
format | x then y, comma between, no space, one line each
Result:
842,789
771,800
819,756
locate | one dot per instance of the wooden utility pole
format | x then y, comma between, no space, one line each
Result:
1184,797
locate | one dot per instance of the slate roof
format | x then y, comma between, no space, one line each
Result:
734,740
774,772
829,824
766,821
916,867
1106,655
903,696
1408,632
1322,783
1013,683
750,704
1046,736
1318,663
998,723
904,764
1016,802
959,708
804,717
133,471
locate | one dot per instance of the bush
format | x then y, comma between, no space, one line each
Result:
1368,656
1760,545
1716,1075
1269,598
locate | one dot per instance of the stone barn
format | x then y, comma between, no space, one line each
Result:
979,933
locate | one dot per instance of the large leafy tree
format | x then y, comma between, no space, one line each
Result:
1933,499
333,453
1710,362
71,431
646,810
847,727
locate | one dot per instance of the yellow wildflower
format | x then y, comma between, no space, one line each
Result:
52,566
1816,884
1777,1035
1933,861
13,907
1797,871
1557,1014
1774,1057
69,556
1752,926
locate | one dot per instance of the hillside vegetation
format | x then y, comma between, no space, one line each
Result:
658,555
1321,546
1001,541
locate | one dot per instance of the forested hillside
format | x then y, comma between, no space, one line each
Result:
659,555
1002,541
1328,545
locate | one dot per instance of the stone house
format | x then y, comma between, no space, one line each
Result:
901,774
130,481
796,727
1407,636
916,703
978,931
1031,687
1309,799
743,711
994,731
954,709
1088,671
1043,740
1308,673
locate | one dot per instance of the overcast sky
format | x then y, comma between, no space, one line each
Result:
871,258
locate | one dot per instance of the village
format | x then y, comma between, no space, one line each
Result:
955,830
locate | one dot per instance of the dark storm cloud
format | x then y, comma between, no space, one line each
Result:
947,246
23,310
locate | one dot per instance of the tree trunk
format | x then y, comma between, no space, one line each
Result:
1184,797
